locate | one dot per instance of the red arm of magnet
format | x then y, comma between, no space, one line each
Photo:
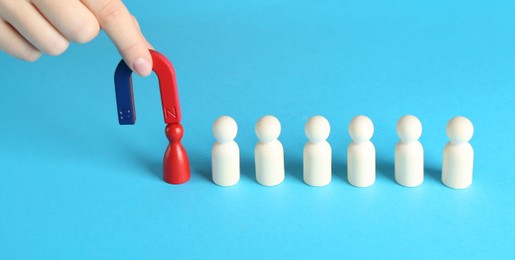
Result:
168,87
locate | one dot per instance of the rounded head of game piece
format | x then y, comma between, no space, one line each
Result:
174,132
317,129
268,128
409,128
225,129
459,130
361,129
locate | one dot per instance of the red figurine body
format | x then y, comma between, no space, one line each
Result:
176,166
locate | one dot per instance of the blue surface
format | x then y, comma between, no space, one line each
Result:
75,184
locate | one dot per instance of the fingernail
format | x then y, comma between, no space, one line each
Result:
142,67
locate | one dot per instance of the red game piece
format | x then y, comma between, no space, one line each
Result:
176,166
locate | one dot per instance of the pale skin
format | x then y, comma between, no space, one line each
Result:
30,28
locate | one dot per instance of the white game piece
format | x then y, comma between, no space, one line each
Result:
317,152
269,153
225,153
458,154
361,153
409,154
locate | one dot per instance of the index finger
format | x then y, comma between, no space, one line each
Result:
117,22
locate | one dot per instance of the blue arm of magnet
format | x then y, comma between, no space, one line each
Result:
124,94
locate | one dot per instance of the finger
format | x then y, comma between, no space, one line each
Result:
117,22
71,18
14,44
149,46
27,20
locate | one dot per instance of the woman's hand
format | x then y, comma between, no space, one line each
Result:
29,28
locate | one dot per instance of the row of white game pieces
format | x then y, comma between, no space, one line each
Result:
458,155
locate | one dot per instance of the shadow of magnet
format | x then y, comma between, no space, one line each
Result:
176,166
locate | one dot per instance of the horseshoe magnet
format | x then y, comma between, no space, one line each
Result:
176,167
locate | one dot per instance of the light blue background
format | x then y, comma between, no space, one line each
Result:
75,184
